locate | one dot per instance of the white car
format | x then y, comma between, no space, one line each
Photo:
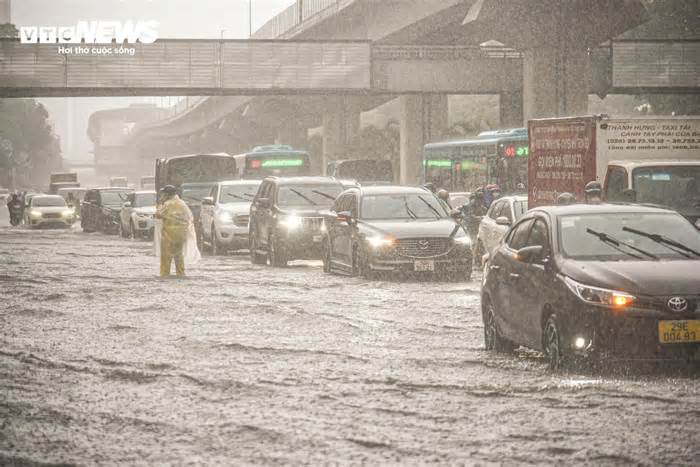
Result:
503,213
225,215
48,211
136,218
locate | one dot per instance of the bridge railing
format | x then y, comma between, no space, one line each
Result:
293,16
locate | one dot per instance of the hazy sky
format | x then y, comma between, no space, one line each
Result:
178,18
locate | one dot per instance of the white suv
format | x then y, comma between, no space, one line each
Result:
225,215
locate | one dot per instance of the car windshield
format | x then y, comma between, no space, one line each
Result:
308,196
113,198
195,193
520,208
143,200
48,201
402,206
677,187
240,193
580,236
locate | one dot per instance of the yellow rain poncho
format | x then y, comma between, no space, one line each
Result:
175,237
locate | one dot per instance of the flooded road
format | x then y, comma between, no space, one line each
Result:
103,362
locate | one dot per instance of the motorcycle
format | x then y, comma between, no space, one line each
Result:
16,213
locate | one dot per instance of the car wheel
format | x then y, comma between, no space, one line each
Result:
552,343
255,257
327,267
360,265
492,336
276,256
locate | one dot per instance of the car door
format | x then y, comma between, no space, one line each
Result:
536,282
256,212
492,231
509,289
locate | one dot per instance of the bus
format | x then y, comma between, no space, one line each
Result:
275,159
493,157
195,168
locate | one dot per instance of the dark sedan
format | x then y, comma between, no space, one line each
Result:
394,229
606,281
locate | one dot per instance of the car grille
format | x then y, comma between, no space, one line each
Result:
661,303
423,247
313,223
51,215
241,220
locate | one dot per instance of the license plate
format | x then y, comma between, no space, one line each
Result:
679,331
318,238
421,265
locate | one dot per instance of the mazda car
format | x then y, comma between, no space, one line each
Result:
394,229
591,282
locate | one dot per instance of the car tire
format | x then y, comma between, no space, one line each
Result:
492,336
276,256
360,265
551,344
255,257
327,266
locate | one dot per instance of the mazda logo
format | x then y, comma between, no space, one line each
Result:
423,244
678,304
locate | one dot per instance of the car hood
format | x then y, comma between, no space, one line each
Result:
235,208
413,228
145,210
675,277
49,209
304,212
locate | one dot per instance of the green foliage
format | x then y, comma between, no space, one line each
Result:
8,30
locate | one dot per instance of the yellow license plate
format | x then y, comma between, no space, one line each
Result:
679,331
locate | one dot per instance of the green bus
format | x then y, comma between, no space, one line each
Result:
277,159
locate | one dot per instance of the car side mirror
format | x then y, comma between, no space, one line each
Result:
529,253
344,216
127,204
502,220
264,202
207,201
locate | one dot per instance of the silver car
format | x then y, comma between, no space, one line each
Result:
137,213
503,213
226,213
48,211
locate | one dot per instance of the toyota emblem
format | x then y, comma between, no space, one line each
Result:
678,304
423,244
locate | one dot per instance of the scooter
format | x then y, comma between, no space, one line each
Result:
16,213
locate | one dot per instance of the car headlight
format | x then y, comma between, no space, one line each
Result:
68,212
463,240
599,296
379,242
291,222
224,217
35,214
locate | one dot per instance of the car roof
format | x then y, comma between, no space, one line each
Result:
304,180
393,189
113,188
145,192
655,163
47,196
240,182
605,208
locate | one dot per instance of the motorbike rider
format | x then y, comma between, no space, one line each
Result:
593,192
566,198
444,196
177,218
15,206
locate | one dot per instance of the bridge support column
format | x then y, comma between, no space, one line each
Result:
511,109
341,122
423,119
555,82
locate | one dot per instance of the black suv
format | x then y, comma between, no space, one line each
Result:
286,218
100,208
614,281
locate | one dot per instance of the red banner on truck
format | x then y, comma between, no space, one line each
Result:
562,158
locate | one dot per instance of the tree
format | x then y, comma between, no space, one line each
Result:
8,30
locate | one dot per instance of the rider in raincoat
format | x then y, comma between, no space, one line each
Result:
176,220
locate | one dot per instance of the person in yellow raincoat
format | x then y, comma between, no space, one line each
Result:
177,219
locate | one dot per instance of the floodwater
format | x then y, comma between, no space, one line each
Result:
103,362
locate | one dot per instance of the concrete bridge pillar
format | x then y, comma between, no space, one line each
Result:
423,120
511,110
555,81
341,122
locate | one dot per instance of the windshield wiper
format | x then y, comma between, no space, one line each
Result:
437,213
667,242
234,195
325,195
605,238
408,210
311,202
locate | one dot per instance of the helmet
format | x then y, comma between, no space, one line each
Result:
593,188
169,190
443,194
430,186
520,187
566,198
